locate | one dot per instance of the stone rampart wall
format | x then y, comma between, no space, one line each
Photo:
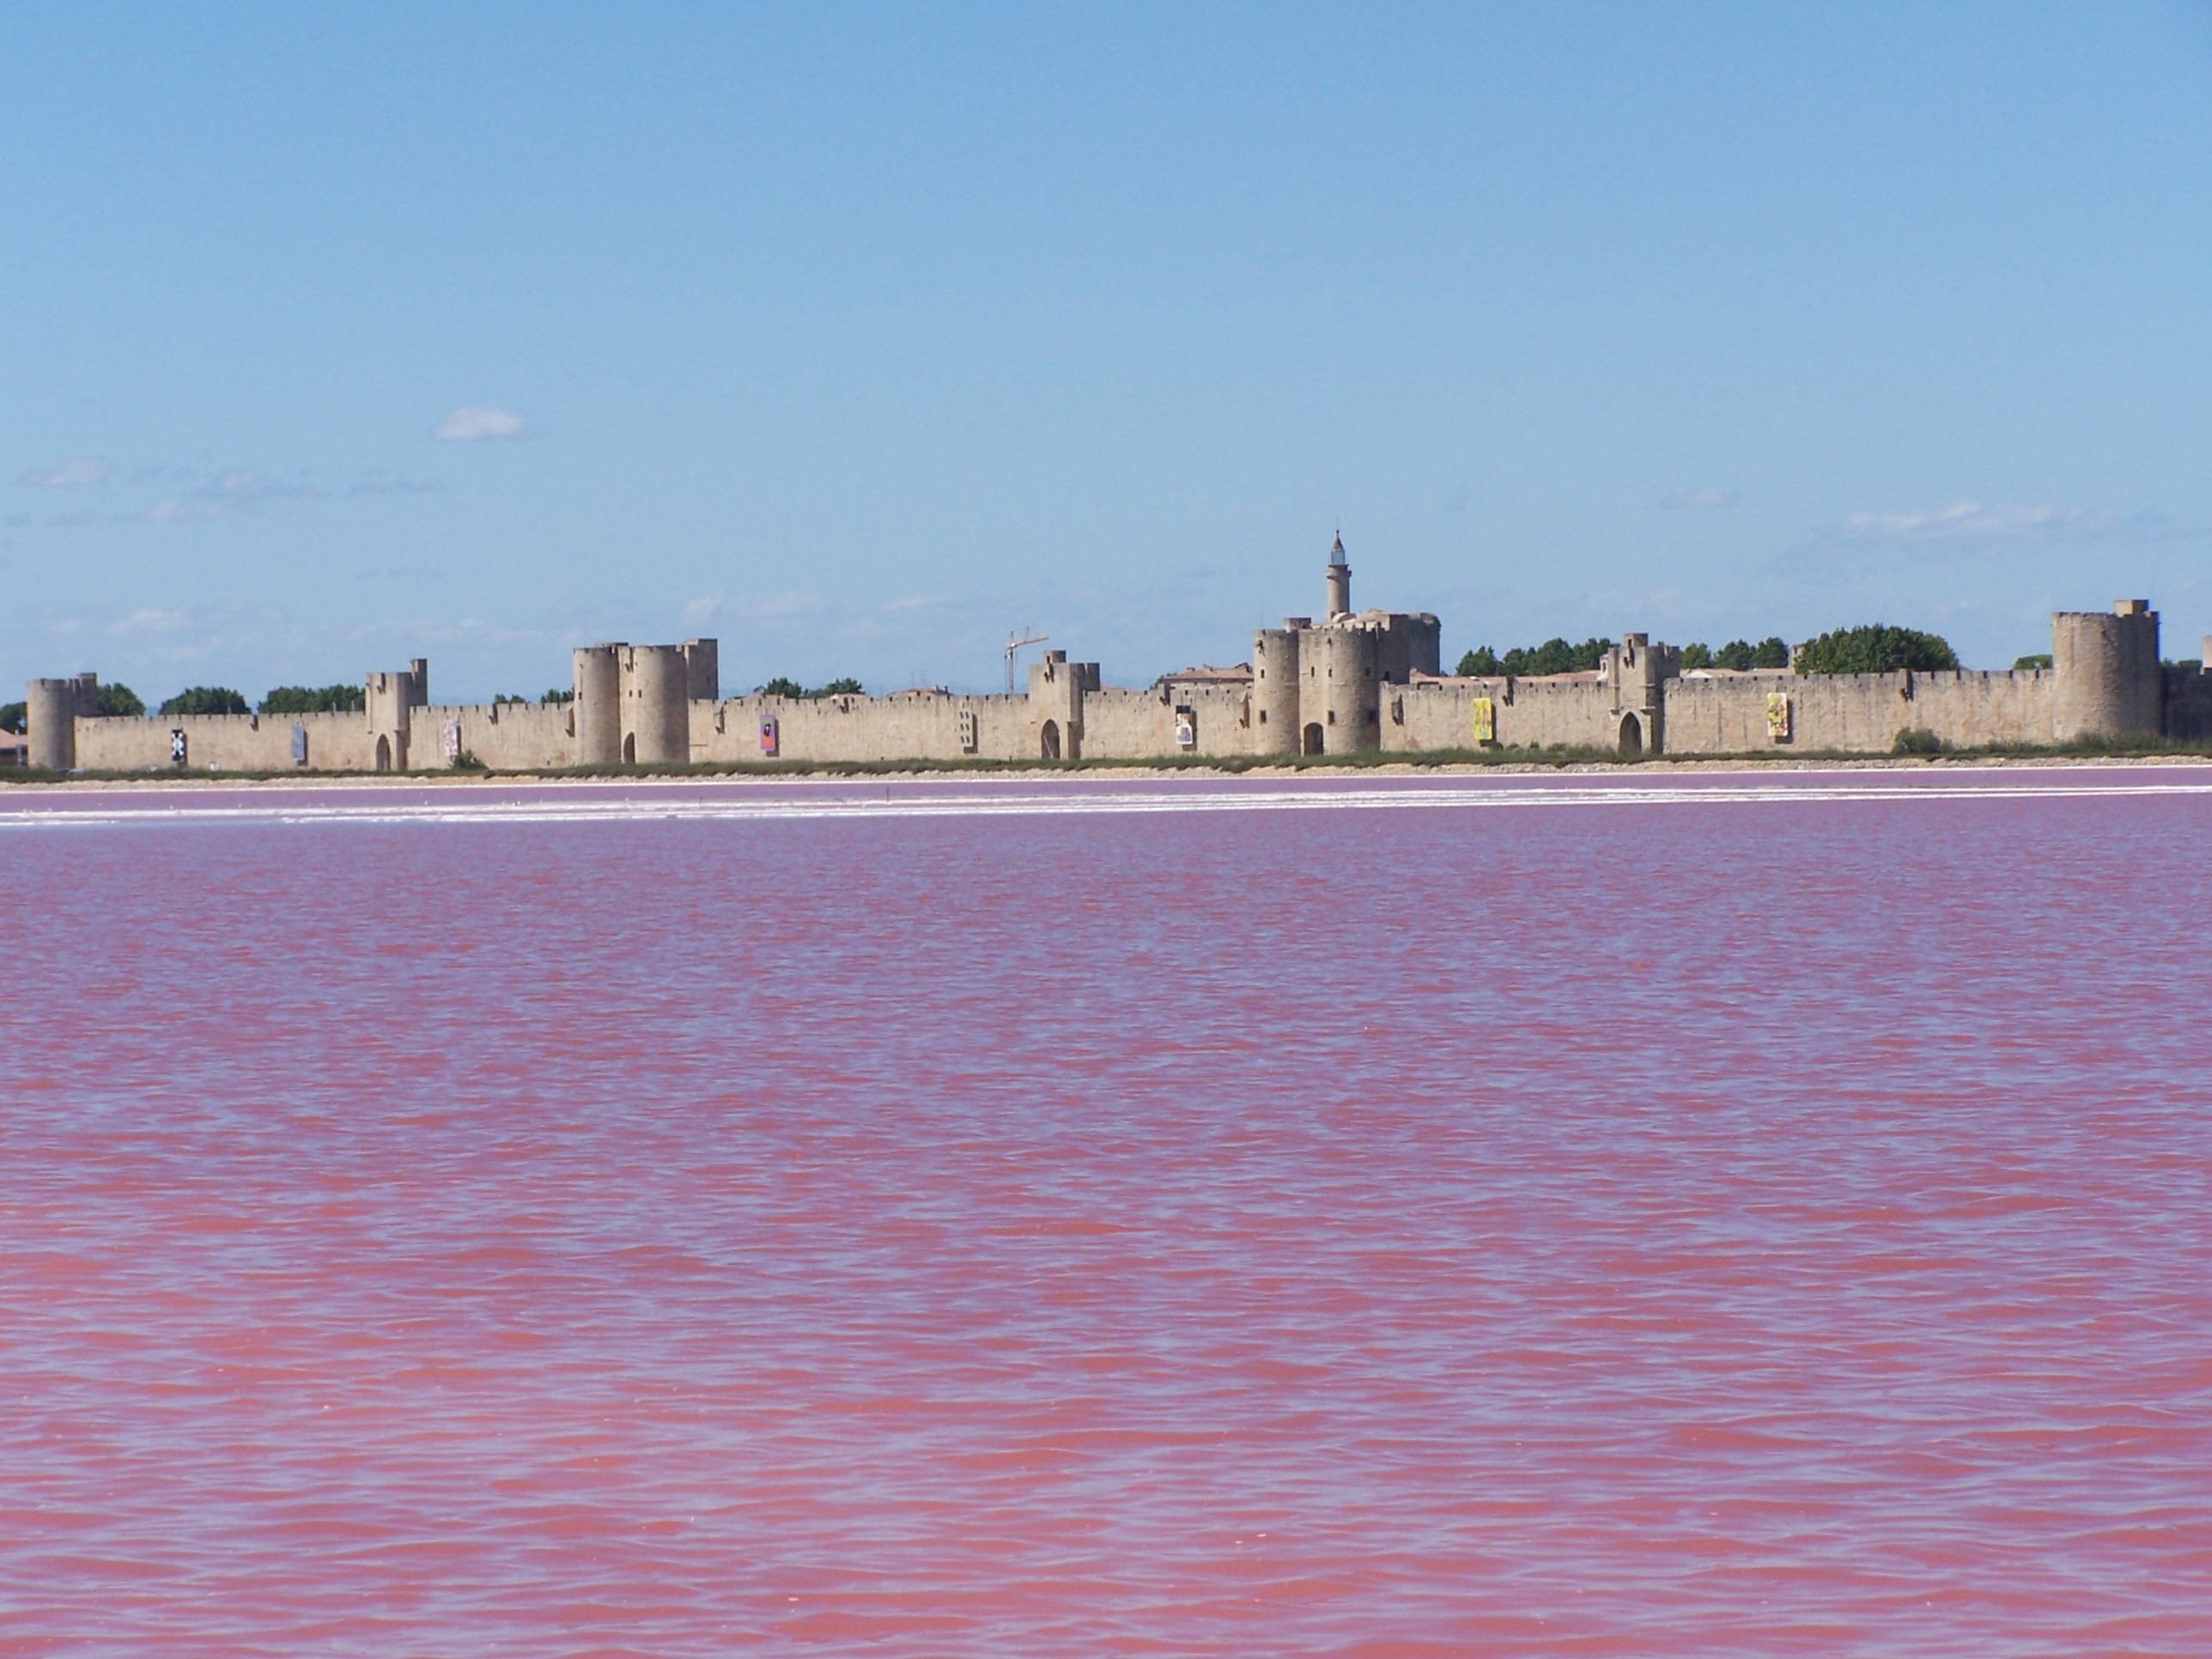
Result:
1727,714
1717,713
1580,711
512,737
232,742
2189,702
1118,724
925,726
1122,724
1224,719
1859,714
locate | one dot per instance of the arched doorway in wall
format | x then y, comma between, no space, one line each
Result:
630,749
1632,735
1049,745
383,753
1312,744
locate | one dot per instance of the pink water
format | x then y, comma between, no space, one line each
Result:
1521,1220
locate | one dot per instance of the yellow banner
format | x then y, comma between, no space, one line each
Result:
1778,716
1486,720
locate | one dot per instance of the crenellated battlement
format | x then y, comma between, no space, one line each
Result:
1354,683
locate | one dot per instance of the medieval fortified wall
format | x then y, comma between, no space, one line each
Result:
1364,682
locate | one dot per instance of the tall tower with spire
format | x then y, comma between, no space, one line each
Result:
1340,582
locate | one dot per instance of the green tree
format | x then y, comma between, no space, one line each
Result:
839,688
780,686
206,700
1697,656
118,699
1555,656
14,716
2040,660
1772,652
1875,648
559,694
314,699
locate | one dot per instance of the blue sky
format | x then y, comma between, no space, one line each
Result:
858,336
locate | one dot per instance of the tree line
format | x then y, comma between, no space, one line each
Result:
116,699
782,686
1875,648
278,700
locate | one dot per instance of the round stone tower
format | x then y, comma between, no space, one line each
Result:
1341,705
1340,582
1275,690
599,705
2110,684
656,706
51,708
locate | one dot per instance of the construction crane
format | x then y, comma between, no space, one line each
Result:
1014,644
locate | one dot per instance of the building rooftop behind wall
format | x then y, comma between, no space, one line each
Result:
1373,618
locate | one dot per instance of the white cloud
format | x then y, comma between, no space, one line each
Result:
472,423
1699,501
1968,524
704,609
227,495
379,483
191,510
77,474
149,621
784,607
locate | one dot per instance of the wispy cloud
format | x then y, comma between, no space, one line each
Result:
161,494
783,607
80,473
474,423
371,485
1454,502
148,620
1699,501
1968,524
704,609
229,495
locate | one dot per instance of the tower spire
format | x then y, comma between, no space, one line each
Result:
1340,581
